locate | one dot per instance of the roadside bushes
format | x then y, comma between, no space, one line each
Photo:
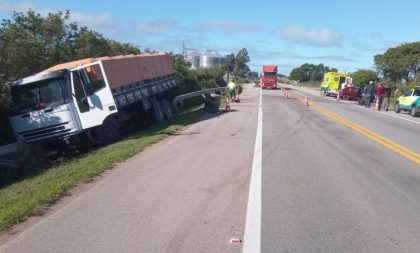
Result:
190,80
210,77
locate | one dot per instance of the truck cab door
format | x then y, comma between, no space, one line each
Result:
92,95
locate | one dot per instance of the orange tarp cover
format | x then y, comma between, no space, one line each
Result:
123,70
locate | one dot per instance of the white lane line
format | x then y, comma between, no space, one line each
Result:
252,237
399,117
389,114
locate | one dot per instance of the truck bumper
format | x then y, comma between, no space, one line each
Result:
269,85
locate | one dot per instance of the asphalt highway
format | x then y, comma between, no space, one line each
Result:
274,174
329,188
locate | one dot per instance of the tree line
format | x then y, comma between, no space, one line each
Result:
399,67
237,65
401,63
310,72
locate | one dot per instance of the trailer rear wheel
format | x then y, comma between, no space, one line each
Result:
158,111
167,109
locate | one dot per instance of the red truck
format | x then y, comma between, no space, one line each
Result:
269,77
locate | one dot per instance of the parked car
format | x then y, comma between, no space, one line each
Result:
409,101
350,93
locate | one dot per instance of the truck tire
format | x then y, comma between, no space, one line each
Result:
397,108
105,134
414,111
167,109
346,97
158,111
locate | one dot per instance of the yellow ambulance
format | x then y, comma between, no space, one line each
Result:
332,82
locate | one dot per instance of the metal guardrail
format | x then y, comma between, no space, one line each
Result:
180,98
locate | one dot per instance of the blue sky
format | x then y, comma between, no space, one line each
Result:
341,34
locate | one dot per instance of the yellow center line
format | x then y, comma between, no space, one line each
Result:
401,150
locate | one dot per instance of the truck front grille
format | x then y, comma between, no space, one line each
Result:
46,132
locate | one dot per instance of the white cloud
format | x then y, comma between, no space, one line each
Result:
22,7
373,35
227,26
89,19
156,26
387,44
337,58
288,55
328,57
374,46
320,37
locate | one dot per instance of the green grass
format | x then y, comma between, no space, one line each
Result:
32,195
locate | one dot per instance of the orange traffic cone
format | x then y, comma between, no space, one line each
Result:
306,101
237,100
377,105
338,97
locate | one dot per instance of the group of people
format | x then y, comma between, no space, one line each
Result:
233,91
378,93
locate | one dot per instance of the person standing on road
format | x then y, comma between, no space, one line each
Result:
231,90
369,94
380,91
256,83
387,97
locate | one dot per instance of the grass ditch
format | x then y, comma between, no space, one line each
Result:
32,195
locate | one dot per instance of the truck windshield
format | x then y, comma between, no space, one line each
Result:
270,74
39,95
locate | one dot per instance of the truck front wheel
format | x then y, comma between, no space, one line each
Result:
105,134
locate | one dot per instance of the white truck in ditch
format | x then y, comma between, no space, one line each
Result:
91,98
